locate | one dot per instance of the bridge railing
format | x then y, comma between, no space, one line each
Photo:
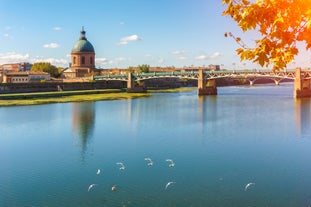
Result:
186,74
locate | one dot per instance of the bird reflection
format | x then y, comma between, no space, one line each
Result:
83,117
248,185
172,164
90,187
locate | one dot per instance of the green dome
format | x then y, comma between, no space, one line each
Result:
83,45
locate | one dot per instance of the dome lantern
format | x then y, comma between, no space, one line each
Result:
82,45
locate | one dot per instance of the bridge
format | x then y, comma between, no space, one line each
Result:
207,79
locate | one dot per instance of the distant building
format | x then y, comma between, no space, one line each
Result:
25,77
214,67
24,66
82,58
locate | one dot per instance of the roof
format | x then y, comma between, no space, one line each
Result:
82,45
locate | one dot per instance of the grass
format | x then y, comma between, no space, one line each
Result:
21,99
72,98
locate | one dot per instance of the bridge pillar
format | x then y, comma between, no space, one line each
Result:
132,87
130,81
203,89
302,87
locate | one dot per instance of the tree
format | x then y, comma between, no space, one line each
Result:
280,23
143,68
46,67
130,69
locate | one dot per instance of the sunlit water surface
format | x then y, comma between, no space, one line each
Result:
49,154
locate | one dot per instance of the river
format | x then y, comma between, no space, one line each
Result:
51,154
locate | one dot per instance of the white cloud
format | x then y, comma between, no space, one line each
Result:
126,40
13,57
215,55
182,58
201,57
54,61
101,61
205,57
6,35
57,28
120,59
51,45
179,52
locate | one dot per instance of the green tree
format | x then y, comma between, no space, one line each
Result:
130,69
280,23
46,67
143,68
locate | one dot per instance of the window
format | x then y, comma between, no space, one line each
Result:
74,60
83,60
91,60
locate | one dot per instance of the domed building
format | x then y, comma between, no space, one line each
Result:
82,56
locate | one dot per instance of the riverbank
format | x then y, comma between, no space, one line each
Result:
20,99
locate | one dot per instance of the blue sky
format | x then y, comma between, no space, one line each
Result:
123,32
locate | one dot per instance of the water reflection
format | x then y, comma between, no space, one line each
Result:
303,116
207,113
83,118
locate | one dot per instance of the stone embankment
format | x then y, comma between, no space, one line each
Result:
58,86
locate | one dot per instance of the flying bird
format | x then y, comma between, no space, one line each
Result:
150,163
172,164
98,172
90,187
168,184
248,185
121,164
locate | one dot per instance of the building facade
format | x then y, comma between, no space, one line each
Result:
82,56
25,77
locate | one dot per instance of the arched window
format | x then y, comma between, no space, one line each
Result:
91,60
83,60
74,60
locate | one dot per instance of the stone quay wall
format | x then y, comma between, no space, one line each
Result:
59,86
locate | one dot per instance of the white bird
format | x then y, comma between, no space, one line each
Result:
98,172
168,184
172,164
114,188
90,187
248,185
150,163
121,164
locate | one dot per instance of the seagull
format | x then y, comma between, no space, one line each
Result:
98,172
150,163
90,187
114,188
122,165
248,185
168,184
172,164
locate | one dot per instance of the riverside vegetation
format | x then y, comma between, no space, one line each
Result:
76,96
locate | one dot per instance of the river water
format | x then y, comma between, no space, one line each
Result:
50,154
